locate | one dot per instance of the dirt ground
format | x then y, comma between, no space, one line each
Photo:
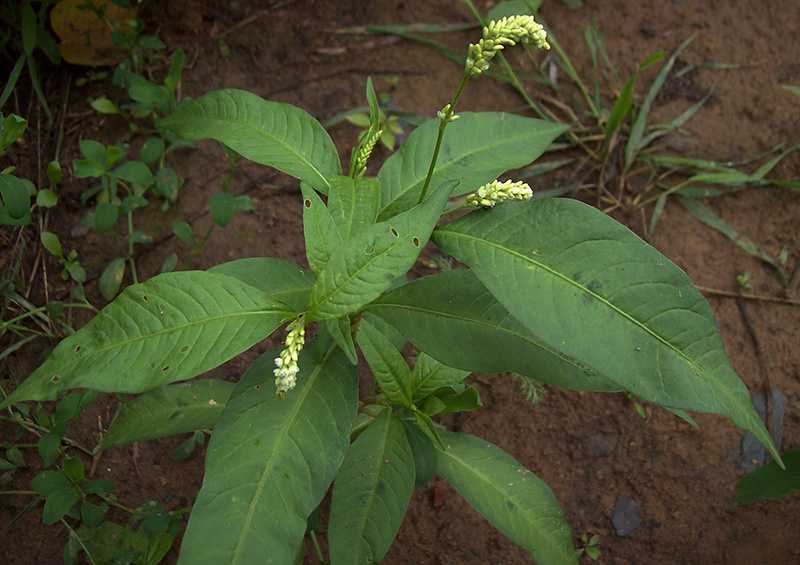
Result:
589,448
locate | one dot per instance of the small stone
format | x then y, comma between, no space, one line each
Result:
594,447
626,516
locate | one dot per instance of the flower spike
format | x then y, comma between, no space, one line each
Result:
498,34
490,194
286,363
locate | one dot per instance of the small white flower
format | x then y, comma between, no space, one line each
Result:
490,194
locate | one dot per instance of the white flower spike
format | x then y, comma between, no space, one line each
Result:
507,31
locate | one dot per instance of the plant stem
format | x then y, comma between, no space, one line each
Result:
131,260
443,121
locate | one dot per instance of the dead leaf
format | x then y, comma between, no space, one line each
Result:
85,38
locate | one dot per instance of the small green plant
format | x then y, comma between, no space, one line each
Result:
554,290
588,548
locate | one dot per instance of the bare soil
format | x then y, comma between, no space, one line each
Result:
589,448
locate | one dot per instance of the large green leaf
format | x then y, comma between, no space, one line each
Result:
270,461
371,493
591,289
169,410
368,264
512,498
170,328
353,204
387,364
283,280
476,149
271,133
454,319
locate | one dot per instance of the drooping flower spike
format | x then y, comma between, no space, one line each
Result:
498,34
286,363
490,194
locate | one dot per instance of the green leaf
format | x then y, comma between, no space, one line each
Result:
59,503
184,232
54,173
424,453
283,280
387,364
271,133
49,447
152,150
271,461
464,401
47,482
429,375
86,168
51,243
371,493
105,217
169,410
573,276
91,515
46,198
103,105
11,128
475,150
770,481
172,327
353,204
339,328
134,172
72,467
321,234
15,196
512,498
221,207
368,264
453,318
94,151
175,70
29,29
167,183
111,279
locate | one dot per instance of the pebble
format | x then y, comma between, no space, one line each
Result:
626,516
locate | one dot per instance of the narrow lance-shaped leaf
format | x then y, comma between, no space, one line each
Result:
590,289
271,133
320,231
453,318
172,327
368,264
371,493
476,149
169,410
387,364
429,375
512,498
353,204
270,461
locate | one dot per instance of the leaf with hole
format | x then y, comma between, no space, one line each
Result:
368,264
172,327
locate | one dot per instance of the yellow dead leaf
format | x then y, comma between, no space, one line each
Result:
85,38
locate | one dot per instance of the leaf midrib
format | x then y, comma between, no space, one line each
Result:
270,463
503,494
206,321
692,364
443,167
299,156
